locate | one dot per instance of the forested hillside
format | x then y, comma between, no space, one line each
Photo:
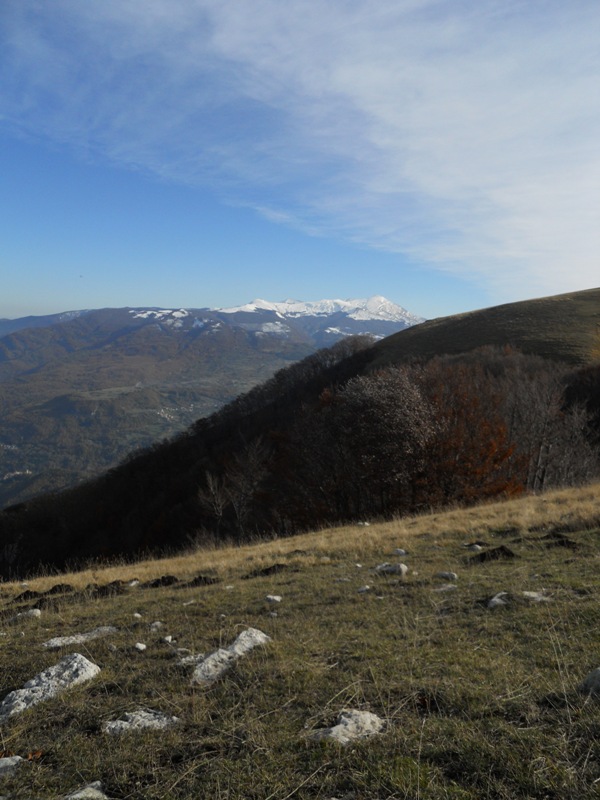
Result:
329,440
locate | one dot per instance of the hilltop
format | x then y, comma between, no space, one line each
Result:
472,662
563,328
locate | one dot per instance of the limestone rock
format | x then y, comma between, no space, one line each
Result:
217,663
591,683
70,671
351,724
78,638
8,765
138,720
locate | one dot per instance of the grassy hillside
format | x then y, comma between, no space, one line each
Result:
477,701
562,328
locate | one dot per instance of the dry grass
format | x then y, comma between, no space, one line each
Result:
577,508
478,703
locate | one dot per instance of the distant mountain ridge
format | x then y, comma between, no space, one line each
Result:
312,314
81,389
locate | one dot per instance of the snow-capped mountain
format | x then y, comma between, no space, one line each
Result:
372,308
323,321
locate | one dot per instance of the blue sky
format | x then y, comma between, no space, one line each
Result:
445,154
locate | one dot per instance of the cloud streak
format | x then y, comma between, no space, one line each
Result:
462,135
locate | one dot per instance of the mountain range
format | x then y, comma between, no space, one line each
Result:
80,390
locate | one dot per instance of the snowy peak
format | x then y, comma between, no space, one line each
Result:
372,308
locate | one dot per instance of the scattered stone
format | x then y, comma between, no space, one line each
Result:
217,663
391,569
500,599
189,659
70,671
351,724
140,647
364,589
358,566
167,639
8,765
400,551
79,638
273,598
139,720
156,626
137,615
447,576
193,602
133,582
229,587
473,547
536,597
446,587
591,683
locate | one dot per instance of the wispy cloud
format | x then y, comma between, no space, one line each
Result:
465,135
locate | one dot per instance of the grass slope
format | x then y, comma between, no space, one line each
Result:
563,328
478,703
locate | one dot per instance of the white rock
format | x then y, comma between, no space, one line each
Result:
537,597
92,791
391,569
351,724
591,683
364,589
9,764
156,626
140,647
133,583
500,599
70,671
446,587
78,638
138,720
474,548
217,663
400,551
190,660
32,613
137,615
167,639
273,598
358,566
447,576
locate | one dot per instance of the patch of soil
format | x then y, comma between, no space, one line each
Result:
164,580
496,554
264,572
